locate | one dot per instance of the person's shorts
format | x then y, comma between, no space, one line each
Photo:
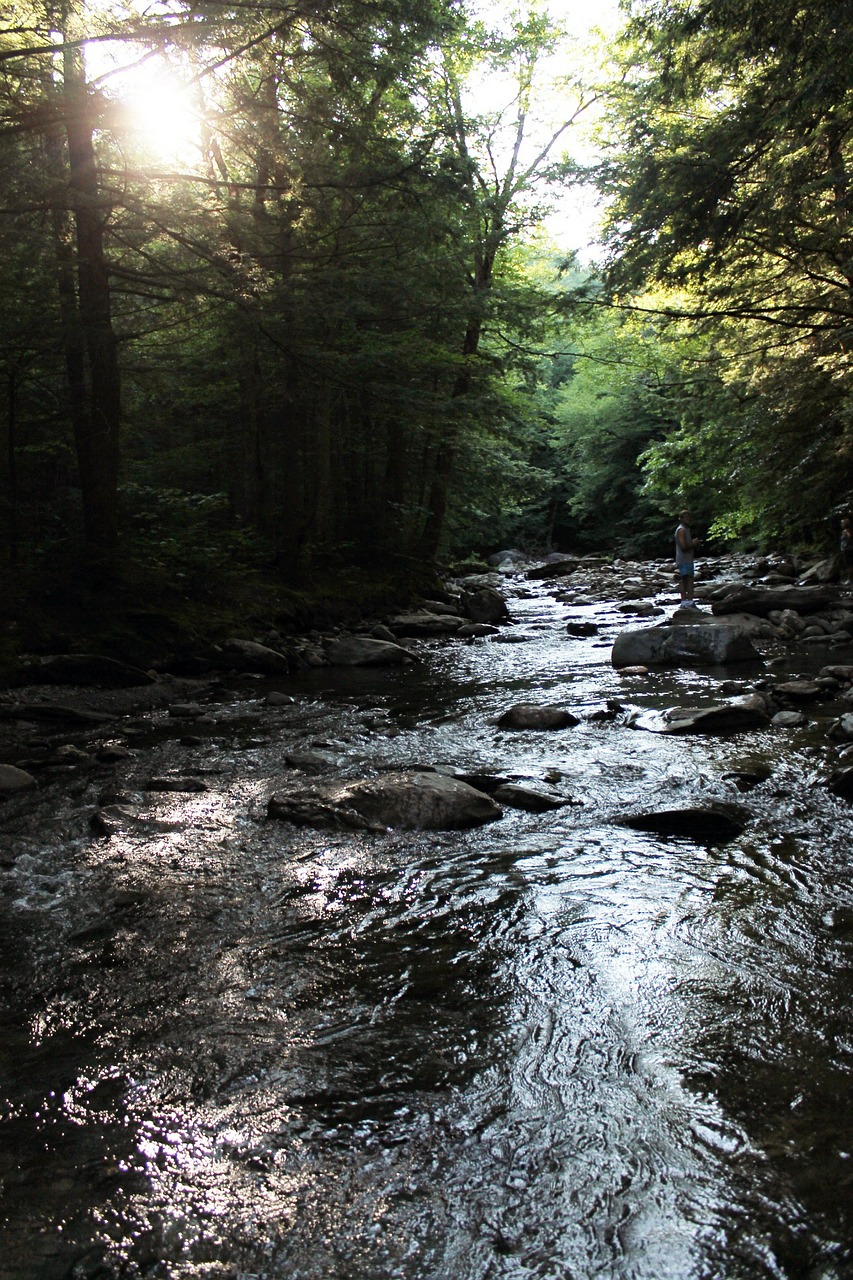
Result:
686,570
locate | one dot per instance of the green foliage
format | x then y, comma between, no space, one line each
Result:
730,142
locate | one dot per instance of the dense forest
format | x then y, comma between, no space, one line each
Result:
281,303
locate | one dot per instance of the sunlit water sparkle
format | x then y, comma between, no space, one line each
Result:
549,1047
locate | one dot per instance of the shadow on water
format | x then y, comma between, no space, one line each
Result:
550,1047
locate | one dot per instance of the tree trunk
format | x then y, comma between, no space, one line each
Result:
97,429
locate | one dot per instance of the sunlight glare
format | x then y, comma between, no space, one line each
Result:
162,116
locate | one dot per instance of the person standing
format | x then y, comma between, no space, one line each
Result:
846,549
685,545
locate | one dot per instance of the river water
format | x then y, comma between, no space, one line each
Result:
549,1047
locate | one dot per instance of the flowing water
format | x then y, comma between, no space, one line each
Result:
548,1047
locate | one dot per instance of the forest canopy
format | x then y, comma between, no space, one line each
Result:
279,289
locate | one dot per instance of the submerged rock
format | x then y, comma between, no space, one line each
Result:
712,825
409,800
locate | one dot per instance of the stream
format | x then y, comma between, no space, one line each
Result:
550,1047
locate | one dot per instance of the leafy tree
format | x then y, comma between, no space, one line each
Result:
731,134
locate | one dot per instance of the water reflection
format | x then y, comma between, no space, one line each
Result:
550,1047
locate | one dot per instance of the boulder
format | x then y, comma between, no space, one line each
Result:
713,644
529,715
408,800
763,600
553,567
511,557
800,691
582,628
425,624
749,712
365,651
248,655
789,720
485,605
13,779
712,825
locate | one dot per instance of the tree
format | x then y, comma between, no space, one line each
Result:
731,135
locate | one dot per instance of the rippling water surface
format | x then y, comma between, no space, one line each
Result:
551,1047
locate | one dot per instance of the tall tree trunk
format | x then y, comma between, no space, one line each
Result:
11,465
445,457
97,430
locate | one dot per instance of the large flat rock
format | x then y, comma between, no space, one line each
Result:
408,800
687,645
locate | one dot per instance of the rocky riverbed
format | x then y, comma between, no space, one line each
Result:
450,946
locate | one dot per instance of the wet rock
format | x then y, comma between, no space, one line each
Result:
276,699
842,673
407,800
823,571
423,624
485,605
82,669
476,630
511,557
840,782
711,644
53,711
113,753
529,715
800,691
762,601
582,628
13,779
439,607
185,710
711,825
515,796
175,784
841,730
248,655
736,715
119,819
309,761
641,609
789,720
553,567
365,651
